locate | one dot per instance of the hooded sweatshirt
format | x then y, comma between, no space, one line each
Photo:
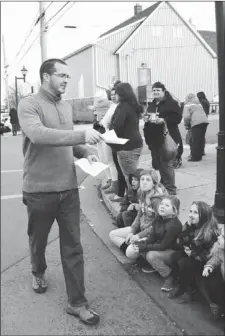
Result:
193,113
133,198
147,211
168,109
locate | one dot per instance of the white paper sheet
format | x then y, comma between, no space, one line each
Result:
111,137
93,169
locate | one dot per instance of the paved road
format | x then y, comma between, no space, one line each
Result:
13,212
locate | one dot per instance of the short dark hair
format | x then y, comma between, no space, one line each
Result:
48,66
159,85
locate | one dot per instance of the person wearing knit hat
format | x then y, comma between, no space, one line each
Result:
150,194
196,121
161,243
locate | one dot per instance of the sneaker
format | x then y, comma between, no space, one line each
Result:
39,284
215,310
177,291
186,297
148,269
168,284
84,313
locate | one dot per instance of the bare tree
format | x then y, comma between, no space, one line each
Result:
12,96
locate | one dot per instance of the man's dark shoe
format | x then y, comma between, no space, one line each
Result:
39,284
185,298
84,313
177,291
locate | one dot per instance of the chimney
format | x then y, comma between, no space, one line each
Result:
137,9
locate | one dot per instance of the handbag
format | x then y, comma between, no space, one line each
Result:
168,150
98,127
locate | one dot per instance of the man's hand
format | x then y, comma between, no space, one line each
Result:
92,158
92,136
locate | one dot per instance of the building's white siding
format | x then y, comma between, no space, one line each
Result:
106,61
174,54
81,64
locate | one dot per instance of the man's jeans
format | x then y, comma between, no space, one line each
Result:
43,209
166,170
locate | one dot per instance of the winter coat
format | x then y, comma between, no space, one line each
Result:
163,235
199,249
217,258
147,212
133,198
168,109
13,116
125,123
194,114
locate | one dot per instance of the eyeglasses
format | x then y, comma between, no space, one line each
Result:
61,75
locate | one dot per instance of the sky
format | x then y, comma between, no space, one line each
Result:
91,18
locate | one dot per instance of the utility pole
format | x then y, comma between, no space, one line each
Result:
6,73
43,31
219,201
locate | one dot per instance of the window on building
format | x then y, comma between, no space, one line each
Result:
177,32
156,30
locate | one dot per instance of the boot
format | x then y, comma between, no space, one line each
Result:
113,188
107,185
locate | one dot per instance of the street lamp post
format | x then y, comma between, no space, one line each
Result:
24,72
219,201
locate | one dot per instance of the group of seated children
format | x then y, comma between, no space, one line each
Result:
187,256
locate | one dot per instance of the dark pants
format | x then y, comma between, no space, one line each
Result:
14,129
43,209
197,141
122,185
125,218
180,147
166,170
189,270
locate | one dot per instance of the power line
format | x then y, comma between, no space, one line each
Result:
73,3
32,44
42,14
58,12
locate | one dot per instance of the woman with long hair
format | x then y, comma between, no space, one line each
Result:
204,102
196,240
125,123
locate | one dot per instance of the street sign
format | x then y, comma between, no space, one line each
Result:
149,93
144,76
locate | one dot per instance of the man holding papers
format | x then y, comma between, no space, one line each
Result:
50,189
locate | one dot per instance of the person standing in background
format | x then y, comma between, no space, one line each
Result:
14,120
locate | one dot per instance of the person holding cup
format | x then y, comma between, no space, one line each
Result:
163,110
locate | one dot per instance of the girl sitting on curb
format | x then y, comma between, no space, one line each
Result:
195,241
151,194
130,206
214,276
161,244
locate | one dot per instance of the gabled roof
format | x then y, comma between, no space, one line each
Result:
77,51
143,14
210,38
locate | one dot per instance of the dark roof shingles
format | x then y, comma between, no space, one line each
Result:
210,38
146,12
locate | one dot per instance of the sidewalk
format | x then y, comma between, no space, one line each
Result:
195,181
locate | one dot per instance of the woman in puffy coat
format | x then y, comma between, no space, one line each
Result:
195,120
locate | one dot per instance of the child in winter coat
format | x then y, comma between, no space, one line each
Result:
151,194
214,277
129,206
195,242
161,244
